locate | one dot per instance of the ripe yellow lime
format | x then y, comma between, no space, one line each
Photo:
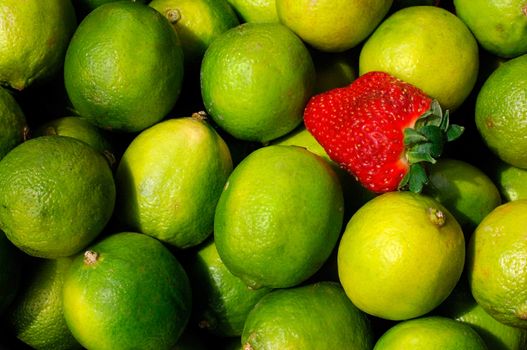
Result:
500,26
496,266
316,316
81,129
197,22
169,180
430,333
12,123
401,255
511,181
124,67
127,291
10,272
256,79
279,216
465,190
258,11
426,46
56,195
332,25
34,36
501,111
221,300
36,316
461,306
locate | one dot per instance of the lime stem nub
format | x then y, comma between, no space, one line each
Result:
173,15
437,217
90,257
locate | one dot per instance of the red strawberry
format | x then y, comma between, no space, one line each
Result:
380,129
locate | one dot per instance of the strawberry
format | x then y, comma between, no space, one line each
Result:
382,130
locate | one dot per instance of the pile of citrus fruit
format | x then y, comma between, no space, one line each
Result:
161,187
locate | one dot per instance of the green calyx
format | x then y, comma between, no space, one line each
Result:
424,143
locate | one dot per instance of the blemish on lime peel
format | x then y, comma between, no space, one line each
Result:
90,257
436,216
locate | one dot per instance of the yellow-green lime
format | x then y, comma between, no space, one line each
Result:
256,79
258,11
56,195
501,111
426,46
496,267
170,179
126,291
465,190
401,255
221,300
81,129
430,333
34,36
10,272
36,316
316,316
124,66
197,22
511,181
332,25
461,306
500,26
279,216
12,123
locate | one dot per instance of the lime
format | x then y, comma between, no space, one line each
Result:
36,316
511,181
12,123
315,316
10,272
222,301
124,67
56,195
332,25
496,266
401,255
83,7
465,190
81,129
126,292
259,11
500,111
276,190
170,179
426,46
197,22
35,35
431,333
245,75
500,26
461,306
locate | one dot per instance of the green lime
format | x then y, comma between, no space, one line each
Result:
316,316
332,25
501,111
12,123
56,195
465,190
496,266
34,36
127,291
426,46
277,190
500,26
9,273
259,11
511,181
197,22
124,67
36,316
222,301
246,74
430,333
401,255
170,179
